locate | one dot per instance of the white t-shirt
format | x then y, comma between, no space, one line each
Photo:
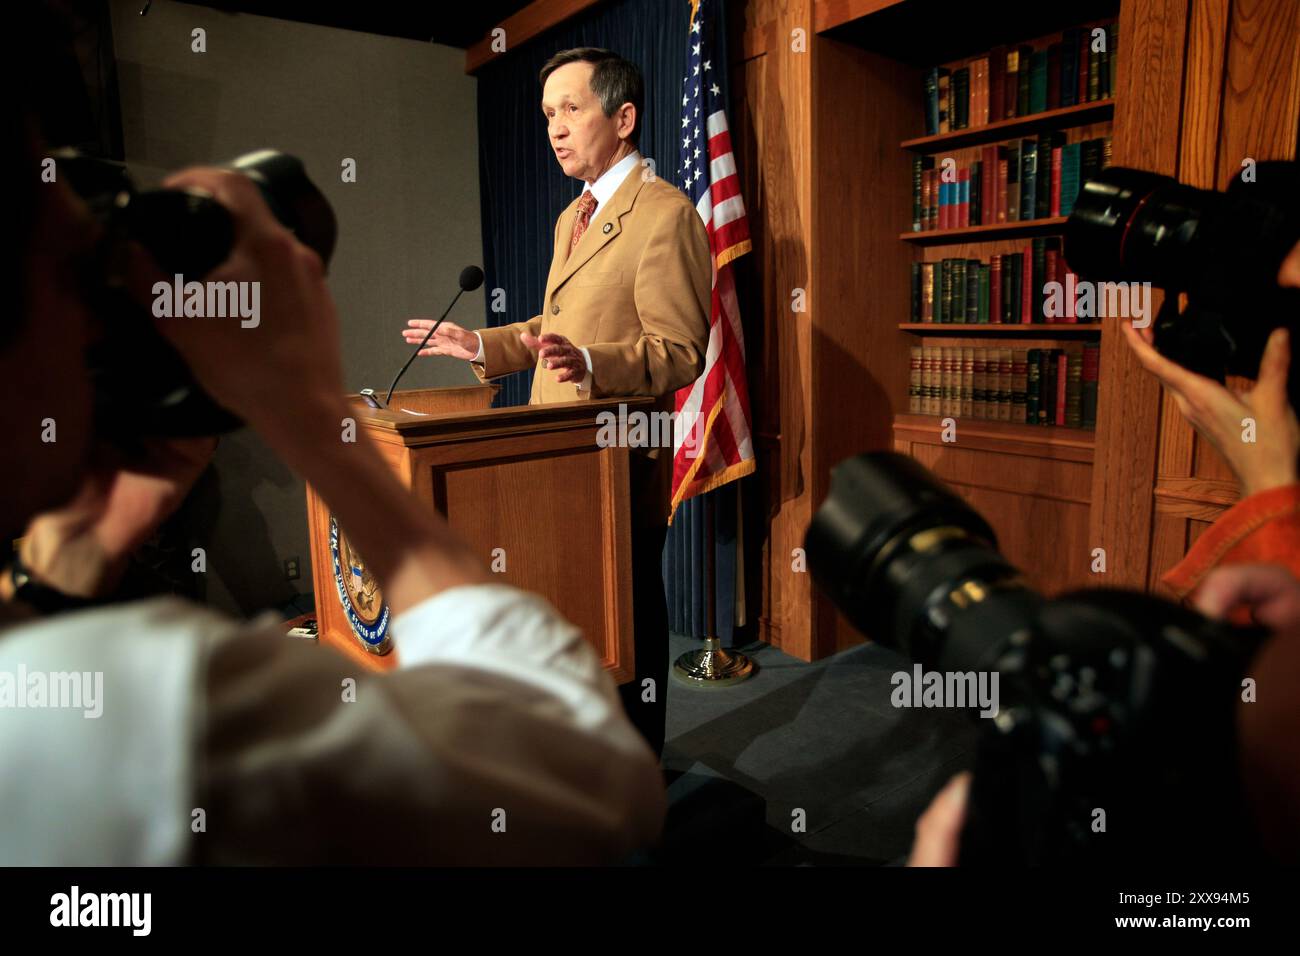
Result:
499,739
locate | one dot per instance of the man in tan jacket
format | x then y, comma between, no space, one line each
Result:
626,311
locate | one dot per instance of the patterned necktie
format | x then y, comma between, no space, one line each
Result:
586,206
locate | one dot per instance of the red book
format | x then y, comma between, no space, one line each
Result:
1056,182
1091,363
1062,368
963,207
1071,285
1027,287
1010,83
1050,260
931,176
995,289
997,67
979,91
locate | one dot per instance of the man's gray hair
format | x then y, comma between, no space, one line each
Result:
614,80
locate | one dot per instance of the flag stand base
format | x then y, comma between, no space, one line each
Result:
712,666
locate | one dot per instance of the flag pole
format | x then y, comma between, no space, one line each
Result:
712,665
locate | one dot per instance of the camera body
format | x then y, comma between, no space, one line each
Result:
142,384
1114,737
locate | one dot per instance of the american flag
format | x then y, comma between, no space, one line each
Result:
712,440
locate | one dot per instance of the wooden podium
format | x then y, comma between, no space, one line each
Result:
529,488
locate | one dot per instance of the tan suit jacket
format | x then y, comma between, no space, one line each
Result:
636,293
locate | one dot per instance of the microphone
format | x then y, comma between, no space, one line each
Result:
471,277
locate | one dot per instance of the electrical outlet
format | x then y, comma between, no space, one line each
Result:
291,568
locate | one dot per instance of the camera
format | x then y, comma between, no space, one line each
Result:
1222,250
1114,738
142,385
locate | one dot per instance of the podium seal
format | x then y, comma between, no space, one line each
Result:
359,593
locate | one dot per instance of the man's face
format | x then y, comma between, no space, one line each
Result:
47,417
583,137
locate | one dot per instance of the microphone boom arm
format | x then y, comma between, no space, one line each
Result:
432,329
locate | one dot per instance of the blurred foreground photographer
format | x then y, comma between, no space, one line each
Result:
158,732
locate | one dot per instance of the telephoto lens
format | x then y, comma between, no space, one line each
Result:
1110,708
901,555
1222,250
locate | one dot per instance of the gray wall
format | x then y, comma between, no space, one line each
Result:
405,111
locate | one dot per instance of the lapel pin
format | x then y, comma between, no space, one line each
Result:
607,227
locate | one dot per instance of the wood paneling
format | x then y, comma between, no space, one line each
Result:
531,21
774,145
1041,502
832,13
1148,105
495,503
860,271
1242,100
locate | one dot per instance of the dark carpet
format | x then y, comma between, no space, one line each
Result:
804,763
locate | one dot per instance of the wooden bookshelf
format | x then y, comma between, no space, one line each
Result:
825,137
1077,115
994,230
1080,440
1009,329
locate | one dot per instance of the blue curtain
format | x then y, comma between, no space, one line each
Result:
522,193
522,187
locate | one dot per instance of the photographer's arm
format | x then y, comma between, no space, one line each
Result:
284,377
497,703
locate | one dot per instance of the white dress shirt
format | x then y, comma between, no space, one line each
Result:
224,742
602,190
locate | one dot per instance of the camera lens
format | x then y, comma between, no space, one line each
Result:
1129,224
897,552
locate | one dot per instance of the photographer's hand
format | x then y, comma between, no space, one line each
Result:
1268,590
82,548
938,831
1269,461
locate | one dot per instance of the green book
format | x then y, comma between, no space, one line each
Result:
1032,373
957,308
1023,80
972,291
1112,59
984,294
916,292
944,305
961,98
1038,82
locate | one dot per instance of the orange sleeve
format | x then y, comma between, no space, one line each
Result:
1261,529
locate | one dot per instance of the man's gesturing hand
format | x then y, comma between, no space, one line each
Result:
450,339
558,353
